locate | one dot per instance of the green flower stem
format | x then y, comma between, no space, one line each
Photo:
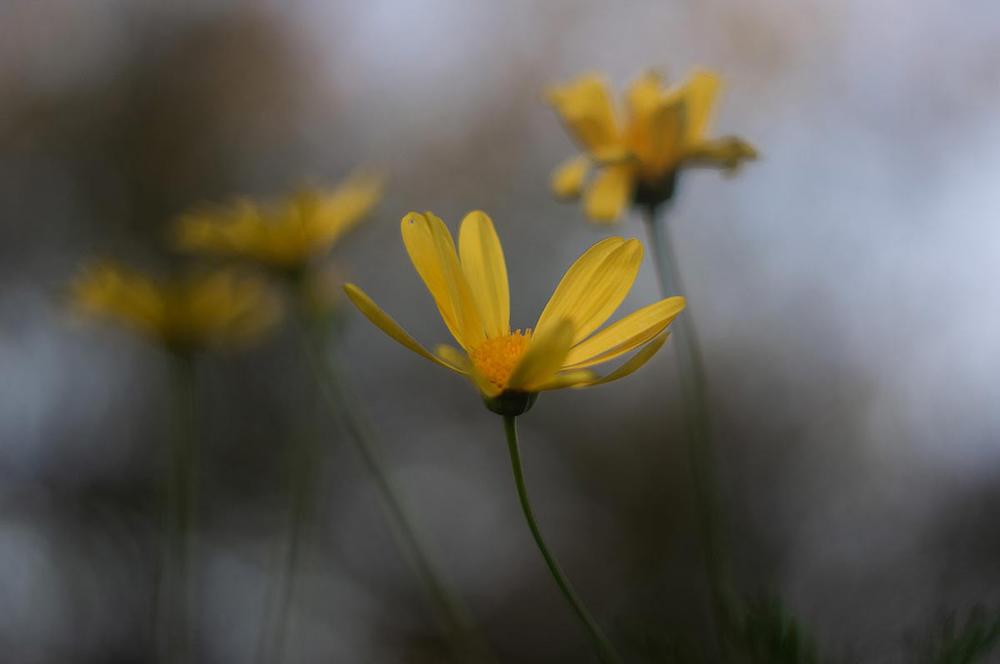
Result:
177,582
271,643
471,646
605,650
697,427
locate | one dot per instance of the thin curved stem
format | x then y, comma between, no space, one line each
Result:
605,650
342,403
697,426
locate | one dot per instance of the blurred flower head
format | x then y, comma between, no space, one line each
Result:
469,286
214,309
638,156
287,235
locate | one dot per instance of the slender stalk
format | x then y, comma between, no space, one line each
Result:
605,651
272,638
176,594
468,640
697,426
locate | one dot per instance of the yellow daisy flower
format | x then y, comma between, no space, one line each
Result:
510,367
664,130
217,308
287,235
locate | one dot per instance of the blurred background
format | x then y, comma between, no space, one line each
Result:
844,287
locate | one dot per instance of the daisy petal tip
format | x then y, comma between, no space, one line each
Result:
352,290
478,217
411,218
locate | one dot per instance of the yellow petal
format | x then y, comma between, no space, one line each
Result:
612,283
543,359
577,277
224,308
610,193
633,363
486,272
727,153
385,323
665,141
585,107
594,286
700,94
331,214
567,180
581,377
432,252
465,305
108,290
643,95
461,360
642,98
625,335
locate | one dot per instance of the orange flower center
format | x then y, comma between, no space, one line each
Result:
496,358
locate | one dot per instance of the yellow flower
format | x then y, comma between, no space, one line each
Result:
638,157
509,366
217,308
287,235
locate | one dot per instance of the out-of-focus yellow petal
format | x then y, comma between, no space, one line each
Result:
609,193
286,234
432,252
568,178
223,307
643,95
384,322
461,360
544,357
585,107
727,153
114,292
343,208
700,94
625,335
665,141
486,271
633,363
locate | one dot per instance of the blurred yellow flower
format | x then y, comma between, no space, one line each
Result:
508,366
664,130
212,309
287,235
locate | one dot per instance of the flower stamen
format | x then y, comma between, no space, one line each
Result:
497,357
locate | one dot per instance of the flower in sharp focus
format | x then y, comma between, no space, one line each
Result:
211,309
510,366
638,156
287,235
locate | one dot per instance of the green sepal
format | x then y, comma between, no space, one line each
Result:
511,403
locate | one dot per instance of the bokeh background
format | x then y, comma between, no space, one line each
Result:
844,287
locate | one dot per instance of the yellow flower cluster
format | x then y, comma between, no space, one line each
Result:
637,156
222,307
212,309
